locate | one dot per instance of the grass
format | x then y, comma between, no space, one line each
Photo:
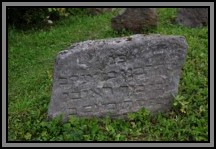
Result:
31,58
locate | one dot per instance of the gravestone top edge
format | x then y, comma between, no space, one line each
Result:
117,41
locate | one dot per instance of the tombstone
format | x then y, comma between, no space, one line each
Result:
135,20
96,78
192,17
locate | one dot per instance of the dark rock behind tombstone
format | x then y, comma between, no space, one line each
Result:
135,20
192,17
117,76
96,11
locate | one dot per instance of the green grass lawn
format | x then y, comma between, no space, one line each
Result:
31,58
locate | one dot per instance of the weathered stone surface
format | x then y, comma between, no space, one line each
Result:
96,11
192,17
135,20
117,76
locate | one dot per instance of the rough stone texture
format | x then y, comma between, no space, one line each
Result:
192,17
135,20
96,11
117,76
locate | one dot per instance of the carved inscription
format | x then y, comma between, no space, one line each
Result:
74,95
111,106
72,111
73,78
138,71
63,81
88,108
107,90
121,59
124,89
140,88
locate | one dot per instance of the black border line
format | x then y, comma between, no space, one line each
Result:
115,1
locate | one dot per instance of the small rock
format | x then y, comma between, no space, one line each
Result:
135,20
192,17
49,21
